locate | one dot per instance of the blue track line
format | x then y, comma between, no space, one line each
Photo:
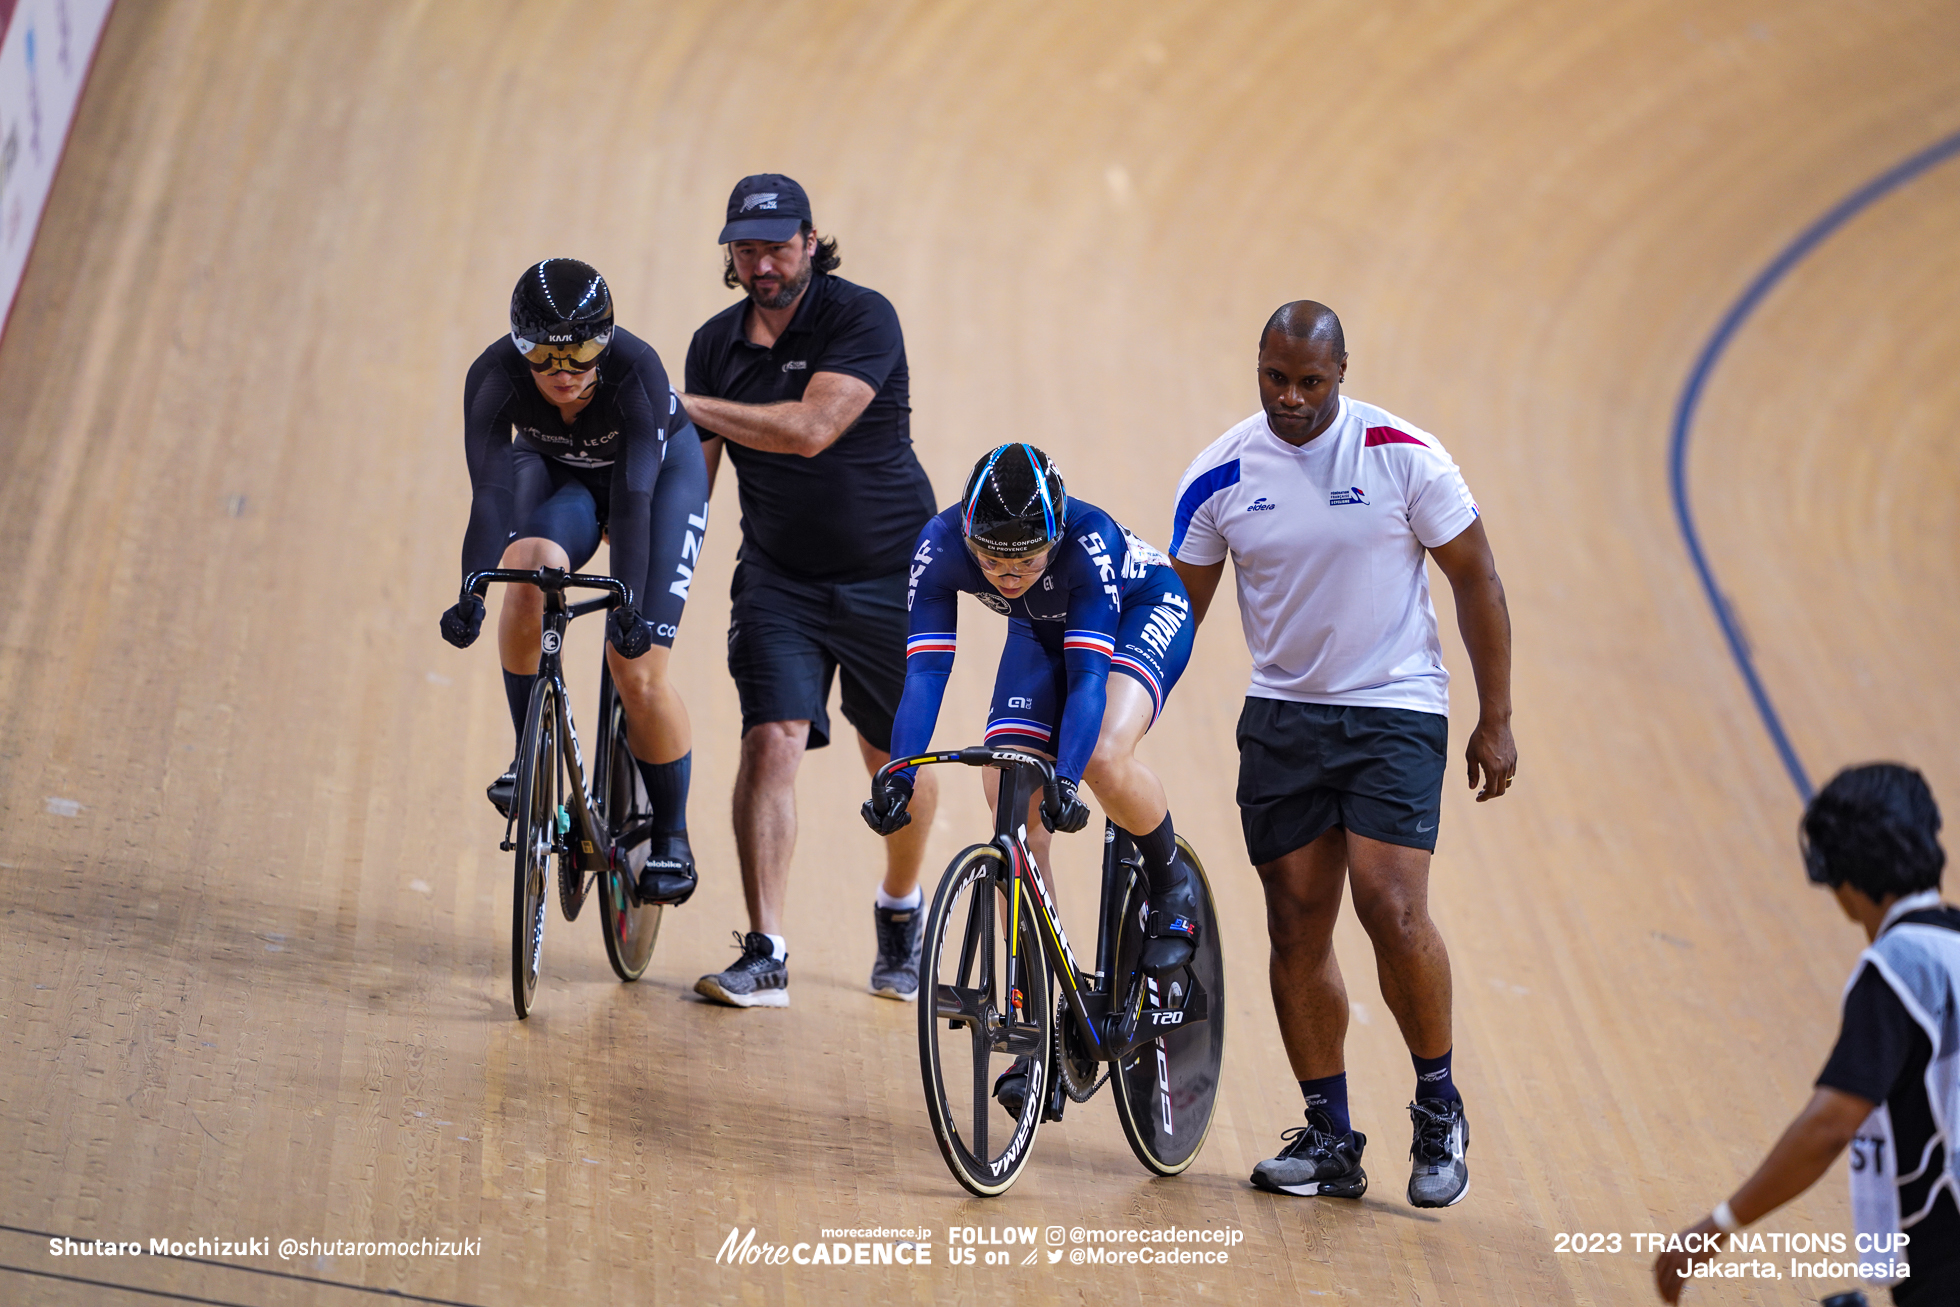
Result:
1684,416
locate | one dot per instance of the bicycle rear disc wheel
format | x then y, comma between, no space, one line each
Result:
1166,1090
973,1024
537,829
630,926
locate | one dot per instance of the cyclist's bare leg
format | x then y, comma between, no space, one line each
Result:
521,621
905,849
1127,790
657,727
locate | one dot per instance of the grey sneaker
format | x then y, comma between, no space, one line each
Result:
896,972
1315,1162
758,978
1440,1177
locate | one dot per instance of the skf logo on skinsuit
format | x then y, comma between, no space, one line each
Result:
920,562
1261,505
764,200
1352,495
1098,552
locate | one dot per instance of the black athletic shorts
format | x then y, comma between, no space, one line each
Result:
1307,767
786,638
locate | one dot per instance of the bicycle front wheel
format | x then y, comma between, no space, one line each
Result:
537,831
630,926
1166,1090
976,1020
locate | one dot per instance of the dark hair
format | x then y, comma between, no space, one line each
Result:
1875,828
823,262
1306,320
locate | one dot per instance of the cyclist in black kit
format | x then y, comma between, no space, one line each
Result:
573,433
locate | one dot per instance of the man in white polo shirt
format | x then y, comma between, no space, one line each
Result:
1328,508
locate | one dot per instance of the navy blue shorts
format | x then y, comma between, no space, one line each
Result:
570,508
1153,643
1305,768
788,638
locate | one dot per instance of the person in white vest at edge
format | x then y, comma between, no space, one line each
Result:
1891,1089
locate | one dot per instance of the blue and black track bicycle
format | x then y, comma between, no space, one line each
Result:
998,982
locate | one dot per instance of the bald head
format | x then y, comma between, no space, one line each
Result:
1306,320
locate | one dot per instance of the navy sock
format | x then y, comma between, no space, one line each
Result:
1329,1094
517,688
1158,848
667,791
1433,1077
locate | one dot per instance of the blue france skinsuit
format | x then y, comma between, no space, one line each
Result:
1108,601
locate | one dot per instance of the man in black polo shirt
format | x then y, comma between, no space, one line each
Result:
805,381
1891,1089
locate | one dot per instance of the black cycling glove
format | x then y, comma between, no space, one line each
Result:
1070,815
463,621
628,632
884,811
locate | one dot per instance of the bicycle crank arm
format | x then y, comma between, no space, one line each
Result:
1021,1041
1139,1025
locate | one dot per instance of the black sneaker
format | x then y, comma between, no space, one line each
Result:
896,972
1440,1177
503,791
1315,1162
668,876
1171,934
758,979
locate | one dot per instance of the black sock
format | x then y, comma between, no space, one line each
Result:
667,792
517,688
1433,1077
1329,1094
1158,848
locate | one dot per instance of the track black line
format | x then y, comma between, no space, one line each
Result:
1684,415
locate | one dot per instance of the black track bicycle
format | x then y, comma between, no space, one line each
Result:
600,836
1004,984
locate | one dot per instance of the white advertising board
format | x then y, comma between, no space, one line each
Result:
44,60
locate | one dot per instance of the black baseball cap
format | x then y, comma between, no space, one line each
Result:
765,207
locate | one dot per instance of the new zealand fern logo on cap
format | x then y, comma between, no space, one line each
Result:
763,200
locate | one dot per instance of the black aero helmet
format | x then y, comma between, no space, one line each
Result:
1014,502
561,316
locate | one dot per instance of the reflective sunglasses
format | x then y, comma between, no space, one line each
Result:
563,356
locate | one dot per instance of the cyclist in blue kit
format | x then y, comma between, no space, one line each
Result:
1083,598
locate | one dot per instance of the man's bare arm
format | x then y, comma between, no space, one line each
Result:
711,455
1799,1159
1201,583
1484,620
804,427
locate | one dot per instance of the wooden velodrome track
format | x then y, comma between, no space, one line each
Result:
255,977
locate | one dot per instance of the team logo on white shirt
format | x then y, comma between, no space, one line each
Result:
1352,495
1261,505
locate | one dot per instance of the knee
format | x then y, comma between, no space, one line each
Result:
1105,764
534,552
1296,912
774,747
1393,919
